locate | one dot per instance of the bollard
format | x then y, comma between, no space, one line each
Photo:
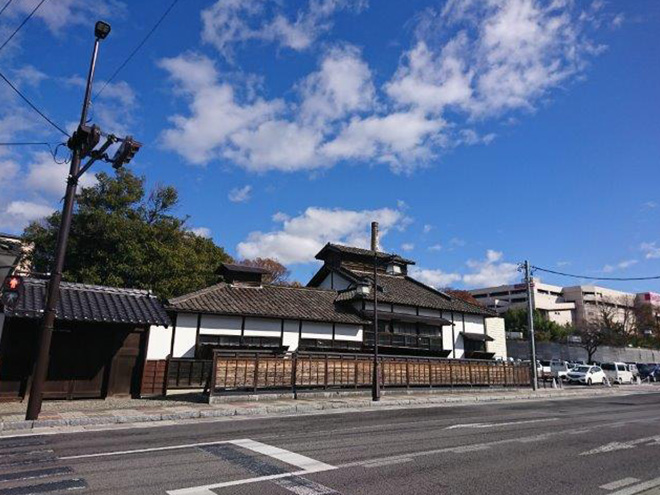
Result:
639,380
554,382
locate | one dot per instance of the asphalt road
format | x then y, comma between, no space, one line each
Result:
608,445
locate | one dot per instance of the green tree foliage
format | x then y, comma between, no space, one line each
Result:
122,237
515,320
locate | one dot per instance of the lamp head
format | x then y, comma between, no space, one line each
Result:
101,30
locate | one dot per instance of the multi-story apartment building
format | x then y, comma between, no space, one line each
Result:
564,305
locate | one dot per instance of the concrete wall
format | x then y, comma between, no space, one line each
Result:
549,350
495,329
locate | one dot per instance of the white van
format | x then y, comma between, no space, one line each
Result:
617,372
559,368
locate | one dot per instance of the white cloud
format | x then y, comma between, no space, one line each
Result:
17,214
8,171
407,246
298,239
650,249
46,176
216,113
228,22
434,278
57,15
240,194
202,232
400,139
435,247
472,63
341,86
490,271
427,228
563,263
619,266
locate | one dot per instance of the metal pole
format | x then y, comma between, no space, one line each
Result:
375,385
530,324
40,372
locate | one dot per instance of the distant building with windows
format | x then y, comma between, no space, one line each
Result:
564,305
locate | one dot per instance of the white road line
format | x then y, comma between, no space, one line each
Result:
303,486
615,446
632,490
206,489
496,425
387,462
300,461
619,483
143,451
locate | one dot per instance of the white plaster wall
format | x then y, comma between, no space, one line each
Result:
290,337
160,341
495,329
430,312
262,327
185,335
351,333
474,324
316,330
220,325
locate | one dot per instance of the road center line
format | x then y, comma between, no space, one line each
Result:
495,425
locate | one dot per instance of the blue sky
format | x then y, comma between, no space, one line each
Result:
477,132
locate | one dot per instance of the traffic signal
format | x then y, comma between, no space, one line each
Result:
85,139
10,291
126,152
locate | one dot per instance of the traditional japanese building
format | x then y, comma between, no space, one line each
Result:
334,312
98,347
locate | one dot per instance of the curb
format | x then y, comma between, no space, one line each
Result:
304,408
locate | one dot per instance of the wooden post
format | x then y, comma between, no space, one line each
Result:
407,373
451,375
356,371
213,372
294,371
430,374
325,378
256,371
470,371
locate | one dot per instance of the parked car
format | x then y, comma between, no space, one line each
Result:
559,368
617,372
633,369
586,374
544,369
650,371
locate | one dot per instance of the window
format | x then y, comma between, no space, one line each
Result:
430,330
405,328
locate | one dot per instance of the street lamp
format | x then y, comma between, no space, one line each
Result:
82,144
375,382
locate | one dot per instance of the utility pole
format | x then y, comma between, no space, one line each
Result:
530,325
375,382
79,145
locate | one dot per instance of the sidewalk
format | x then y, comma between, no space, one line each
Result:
193,406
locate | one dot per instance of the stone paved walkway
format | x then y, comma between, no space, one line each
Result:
194,406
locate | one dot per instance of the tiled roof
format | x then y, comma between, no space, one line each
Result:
80,302
398,289
362,252
275,301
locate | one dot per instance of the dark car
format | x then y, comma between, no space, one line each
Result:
650,371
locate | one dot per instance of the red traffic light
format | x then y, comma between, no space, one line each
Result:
13,283
10,288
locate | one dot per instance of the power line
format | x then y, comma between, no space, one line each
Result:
26,100
587,277
137,48
25,144
6,5
29,16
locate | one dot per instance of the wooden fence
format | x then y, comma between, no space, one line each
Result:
244,371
